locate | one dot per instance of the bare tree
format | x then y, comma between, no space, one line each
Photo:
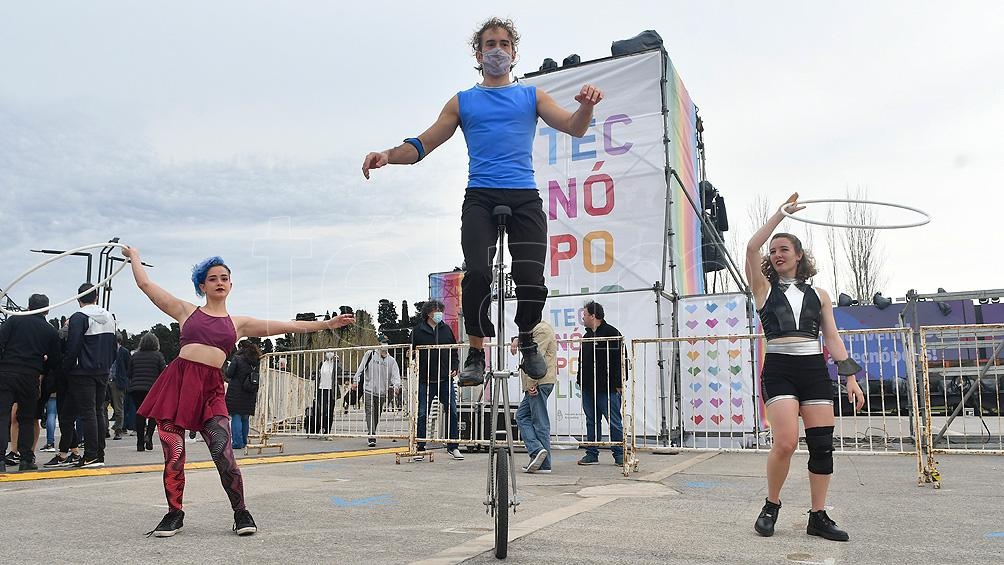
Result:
831,245
860,247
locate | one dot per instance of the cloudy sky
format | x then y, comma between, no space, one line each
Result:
238,128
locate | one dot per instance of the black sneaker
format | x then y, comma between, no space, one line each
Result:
118,435
56,461
70,460
821,525
371,443
49,448
27,465
767,518
170,524
12,458
243,523
473,373
88,463
534,364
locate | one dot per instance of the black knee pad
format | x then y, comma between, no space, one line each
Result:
820,443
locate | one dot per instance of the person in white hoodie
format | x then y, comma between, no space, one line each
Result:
379,376
90,352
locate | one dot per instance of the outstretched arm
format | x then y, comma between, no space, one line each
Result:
406,153
167,302
758,282
573,123
253,327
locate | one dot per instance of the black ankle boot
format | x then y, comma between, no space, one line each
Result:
767,518
534,364
821,525
473,372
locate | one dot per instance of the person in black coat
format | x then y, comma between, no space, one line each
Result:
436,371
601,381
143,369
242,393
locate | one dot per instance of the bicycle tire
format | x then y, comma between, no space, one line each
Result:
502,504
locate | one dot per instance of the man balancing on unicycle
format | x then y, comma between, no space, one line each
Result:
499,119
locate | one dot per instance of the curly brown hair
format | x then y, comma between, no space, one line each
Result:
495,23
806,268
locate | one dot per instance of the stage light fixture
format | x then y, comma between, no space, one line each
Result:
880,301
571,60
845,300
944,307
549,64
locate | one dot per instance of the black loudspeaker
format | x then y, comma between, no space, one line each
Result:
721,214
711,256
880,301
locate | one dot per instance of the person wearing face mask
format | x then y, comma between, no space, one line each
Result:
378,376
436,369
499,121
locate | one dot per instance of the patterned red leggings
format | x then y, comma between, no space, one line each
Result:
216,433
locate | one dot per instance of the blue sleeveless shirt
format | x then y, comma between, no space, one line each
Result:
499,125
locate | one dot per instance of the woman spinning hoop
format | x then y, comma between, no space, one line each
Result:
189,394
795,379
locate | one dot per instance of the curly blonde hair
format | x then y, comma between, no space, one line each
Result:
806,268
495,23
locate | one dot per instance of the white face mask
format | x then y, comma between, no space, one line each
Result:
437,317
496,62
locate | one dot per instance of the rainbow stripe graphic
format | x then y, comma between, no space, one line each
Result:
445,287
683,158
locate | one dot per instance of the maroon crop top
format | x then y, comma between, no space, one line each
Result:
213,331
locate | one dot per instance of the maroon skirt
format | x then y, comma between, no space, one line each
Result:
187,393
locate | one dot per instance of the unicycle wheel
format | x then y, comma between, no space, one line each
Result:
501,504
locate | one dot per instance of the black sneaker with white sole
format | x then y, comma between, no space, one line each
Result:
88,463
170,524
243,523
56,461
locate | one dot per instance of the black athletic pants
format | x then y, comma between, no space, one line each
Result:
24,391
526,232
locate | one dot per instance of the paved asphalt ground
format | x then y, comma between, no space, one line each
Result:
352,507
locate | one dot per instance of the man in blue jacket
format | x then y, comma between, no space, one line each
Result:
90,351
29,348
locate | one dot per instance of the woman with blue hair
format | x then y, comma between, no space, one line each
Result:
189,394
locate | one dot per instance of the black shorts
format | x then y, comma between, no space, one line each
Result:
801,377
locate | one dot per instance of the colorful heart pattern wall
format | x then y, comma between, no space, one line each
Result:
717,375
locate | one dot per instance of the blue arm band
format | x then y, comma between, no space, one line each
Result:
417,144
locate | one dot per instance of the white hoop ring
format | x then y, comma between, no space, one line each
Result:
927,217
100,284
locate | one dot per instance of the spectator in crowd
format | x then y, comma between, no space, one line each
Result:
378,376
142,371
327,392
66,410
599,377
436,370
531,416
29,347
242,392
90,352
117,386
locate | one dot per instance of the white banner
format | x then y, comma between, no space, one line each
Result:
635,315
605,193
716,364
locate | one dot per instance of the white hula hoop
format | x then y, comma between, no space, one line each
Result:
927,217
105,281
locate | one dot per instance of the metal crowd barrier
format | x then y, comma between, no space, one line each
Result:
310,393
703,393
470,425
